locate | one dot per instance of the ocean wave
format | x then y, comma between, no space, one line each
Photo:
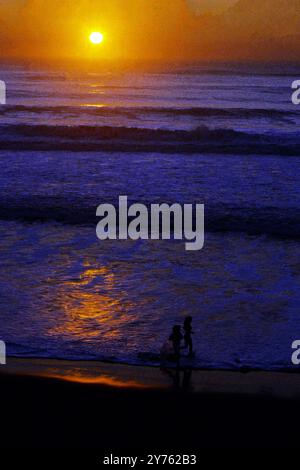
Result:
132,139
149,359
268,221
108,111
237,71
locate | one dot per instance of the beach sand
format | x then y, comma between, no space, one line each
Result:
80,405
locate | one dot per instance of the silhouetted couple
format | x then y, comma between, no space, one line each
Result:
176,337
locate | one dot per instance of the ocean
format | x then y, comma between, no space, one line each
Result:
223,135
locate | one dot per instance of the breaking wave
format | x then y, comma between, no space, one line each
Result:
128,139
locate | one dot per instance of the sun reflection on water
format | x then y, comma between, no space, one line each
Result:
91,305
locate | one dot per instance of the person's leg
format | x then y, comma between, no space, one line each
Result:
190,344
177,355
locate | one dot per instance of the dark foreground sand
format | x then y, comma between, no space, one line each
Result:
124,407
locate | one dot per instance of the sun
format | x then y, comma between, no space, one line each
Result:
96,37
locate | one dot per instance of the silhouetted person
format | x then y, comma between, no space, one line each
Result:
176,338
188,331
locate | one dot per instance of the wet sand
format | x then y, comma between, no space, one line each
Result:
85,405
276,384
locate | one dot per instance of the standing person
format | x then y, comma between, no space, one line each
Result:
176,338
188,331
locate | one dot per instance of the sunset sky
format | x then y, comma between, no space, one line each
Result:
150,29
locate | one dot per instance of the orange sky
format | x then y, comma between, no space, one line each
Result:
165,30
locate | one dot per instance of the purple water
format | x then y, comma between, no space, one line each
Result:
223,136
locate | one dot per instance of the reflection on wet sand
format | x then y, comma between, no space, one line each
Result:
101,373
101,380
279,384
